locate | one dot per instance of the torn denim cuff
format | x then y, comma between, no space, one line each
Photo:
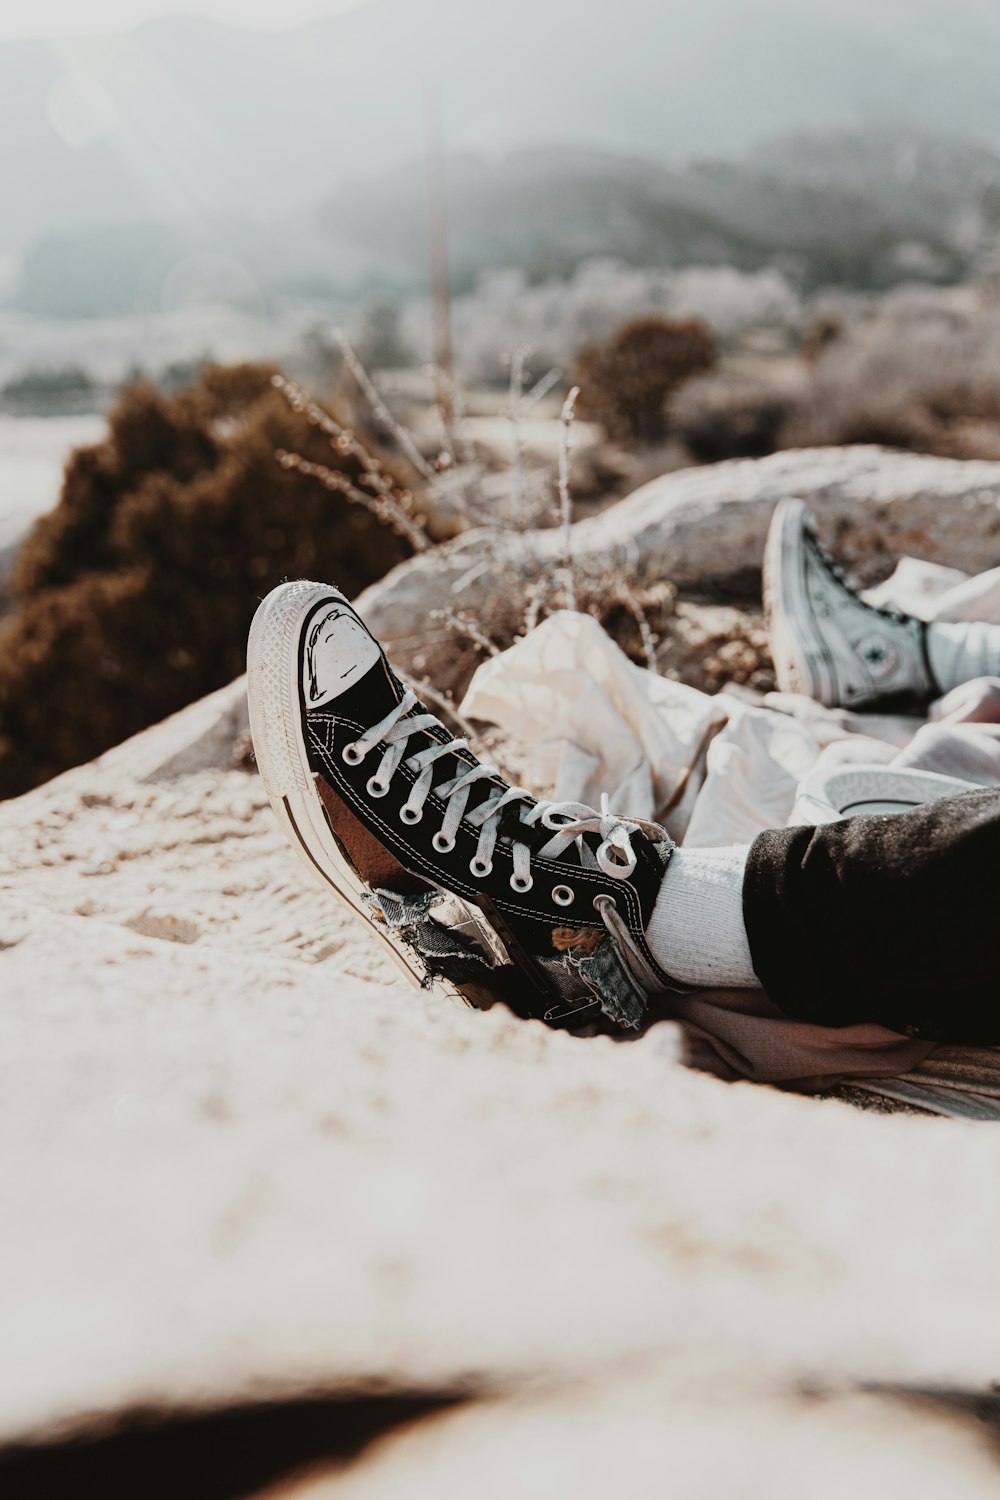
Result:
595,979
444,952
583,980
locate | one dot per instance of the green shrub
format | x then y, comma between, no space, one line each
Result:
133,596
625,383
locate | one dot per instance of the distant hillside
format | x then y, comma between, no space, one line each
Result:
860,210
882,206
855,209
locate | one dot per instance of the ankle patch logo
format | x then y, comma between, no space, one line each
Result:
879,654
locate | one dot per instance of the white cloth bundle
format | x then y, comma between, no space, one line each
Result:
719,770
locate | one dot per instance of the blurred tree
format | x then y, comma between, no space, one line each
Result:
624,384
823,332
380,343
61,381
719,417
49,390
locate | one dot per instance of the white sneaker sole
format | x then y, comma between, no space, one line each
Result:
275,720
828,795
801,660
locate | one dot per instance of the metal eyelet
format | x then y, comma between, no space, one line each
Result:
442,843
481,867
377,788
600,899
519,885
408,814
352,755
563,895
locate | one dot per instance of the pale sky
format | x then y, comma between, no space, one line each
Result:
50,18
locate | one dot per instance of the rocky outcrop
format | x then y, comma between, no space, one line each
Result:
703,530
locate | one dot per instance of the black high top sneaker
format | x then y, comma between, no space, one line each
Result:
827,643
463,877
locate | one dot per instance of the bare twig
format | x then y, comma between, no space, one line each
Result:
519,592
646,636
461,474
394,502
535,596
342,441
300,401
462,449
443,701
565,499
451,410
539,390
383,506
468,628
395,429
517,451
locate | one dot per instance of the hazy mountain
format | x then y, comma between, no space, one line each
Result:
191,120
858,211
840,208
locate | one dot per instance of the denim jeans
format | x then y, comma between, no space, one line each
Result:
894,919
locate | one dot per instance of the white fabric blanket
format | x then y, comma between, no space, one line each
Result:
718,770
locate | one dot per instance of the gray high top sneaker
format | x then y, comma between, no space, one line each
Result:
827,643
462,876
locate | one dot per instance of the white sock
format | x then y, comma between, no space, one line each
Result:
963,650
696,931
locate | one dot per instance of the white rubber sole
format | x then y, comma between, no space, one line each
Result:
801,664
275,719
853,789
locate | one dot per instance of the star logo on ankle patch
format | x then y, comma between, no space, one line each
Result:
878,654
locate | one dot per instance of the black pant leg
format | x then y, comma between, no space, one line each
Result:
894,919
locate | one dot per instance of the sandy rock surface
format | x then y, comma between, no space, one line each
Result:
244,1160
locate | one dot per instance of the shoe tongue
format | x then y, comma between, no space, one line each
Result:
375,694
369,698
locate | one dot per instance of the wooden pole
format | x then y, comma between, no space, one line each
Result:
437,229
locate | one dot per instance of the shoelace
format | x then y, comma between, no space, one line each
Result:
567,821
836,572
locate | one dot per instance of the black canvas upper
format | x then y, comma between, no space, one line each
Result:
528,917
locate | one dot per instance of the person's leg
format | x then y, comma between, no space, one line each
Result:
892,919
575,914
830,645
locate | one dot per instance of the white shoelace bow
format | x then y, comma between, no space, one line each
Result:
567,821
